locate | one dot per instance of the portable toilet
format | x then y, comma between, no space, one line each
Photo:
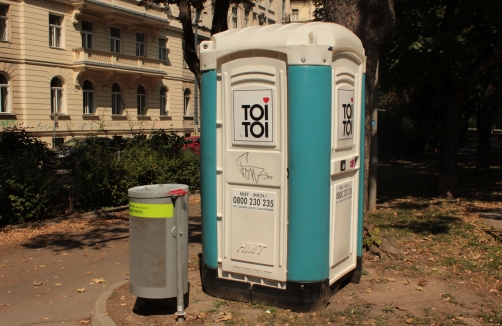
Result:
282,163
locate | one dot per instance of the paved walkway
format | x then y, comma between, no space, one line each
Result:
69,267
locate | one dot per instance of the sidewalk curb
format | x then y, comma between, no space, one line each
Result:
99,315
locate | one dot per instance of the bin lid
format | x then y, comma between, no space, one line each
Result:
282,38
155,191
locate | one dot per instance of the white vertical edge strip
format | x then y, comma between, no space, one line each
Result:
226,106
331,187
282,218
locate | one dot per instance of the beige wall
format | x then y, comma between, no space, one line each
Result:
305,11
30,64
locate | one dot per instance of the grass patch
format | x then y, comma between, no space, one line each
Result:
442,234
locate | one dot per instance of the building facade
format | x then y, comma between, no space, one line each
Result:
79,67
300,12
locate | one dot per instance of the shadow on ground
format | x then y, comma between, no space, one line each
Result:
418,177
107,229
437,225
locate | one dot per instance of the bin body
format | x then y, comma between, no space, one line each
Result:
273,229
152,242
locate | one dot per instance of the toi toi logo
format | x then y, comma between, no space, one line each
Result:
256,119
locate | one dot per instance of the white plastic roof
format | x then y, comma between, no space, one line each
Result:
282,38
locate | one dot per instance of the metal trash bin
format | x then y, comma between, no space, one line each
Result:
152,240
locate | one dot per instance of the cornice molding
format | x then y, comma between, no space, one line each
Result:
57,4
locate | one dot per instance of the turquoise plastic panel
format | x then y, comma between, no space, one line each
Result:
208,169
309,124
361,171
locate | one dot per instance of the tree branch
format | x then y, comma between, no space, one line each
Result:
449,15
190,52
220,15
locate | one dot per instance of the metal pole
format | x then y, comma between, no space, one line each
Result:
196,84
180,304
372,182
55,126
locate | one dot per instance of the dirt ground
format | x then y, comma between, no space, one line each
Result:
438,263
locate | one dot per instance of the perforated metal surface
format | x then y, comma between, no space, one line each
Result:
152,250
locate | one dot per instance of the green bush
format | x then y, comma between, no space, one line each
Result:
100,176
27,177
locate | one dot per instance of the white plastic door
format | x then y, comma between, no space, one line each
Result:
252,156
345,164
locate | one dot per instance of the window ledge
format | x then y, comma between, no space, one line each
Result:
90,117
165,117
56,48
4,41
7,114
188,117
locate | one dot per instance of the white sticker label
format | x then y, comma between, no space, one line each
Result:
253,115
255,201
345,114
343,192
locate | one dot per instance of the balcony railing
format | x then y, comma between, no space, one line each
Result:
102,59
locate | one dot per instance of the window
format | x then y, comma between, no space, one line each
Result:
163,101
140,45
246,18
234,18
294,15
116,99
88,97
3,22
115,40
141,97
55,31
187,102
86,35
56,95
163,49
4,93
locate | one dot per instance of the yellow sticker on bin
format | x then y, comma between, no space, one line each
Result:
151,210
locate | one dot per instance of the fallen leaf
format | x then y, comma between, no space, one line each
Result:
422,283
122,304
407,282
5,305
390,279
81,290
84,322
97,280
58,284
224,316
89,273
409,320
419,289
493,290
369,290
399,308
38,283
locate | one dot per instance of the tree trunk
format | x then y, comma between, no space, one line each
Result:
220,21
190,52
371,21
450,133
485,121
